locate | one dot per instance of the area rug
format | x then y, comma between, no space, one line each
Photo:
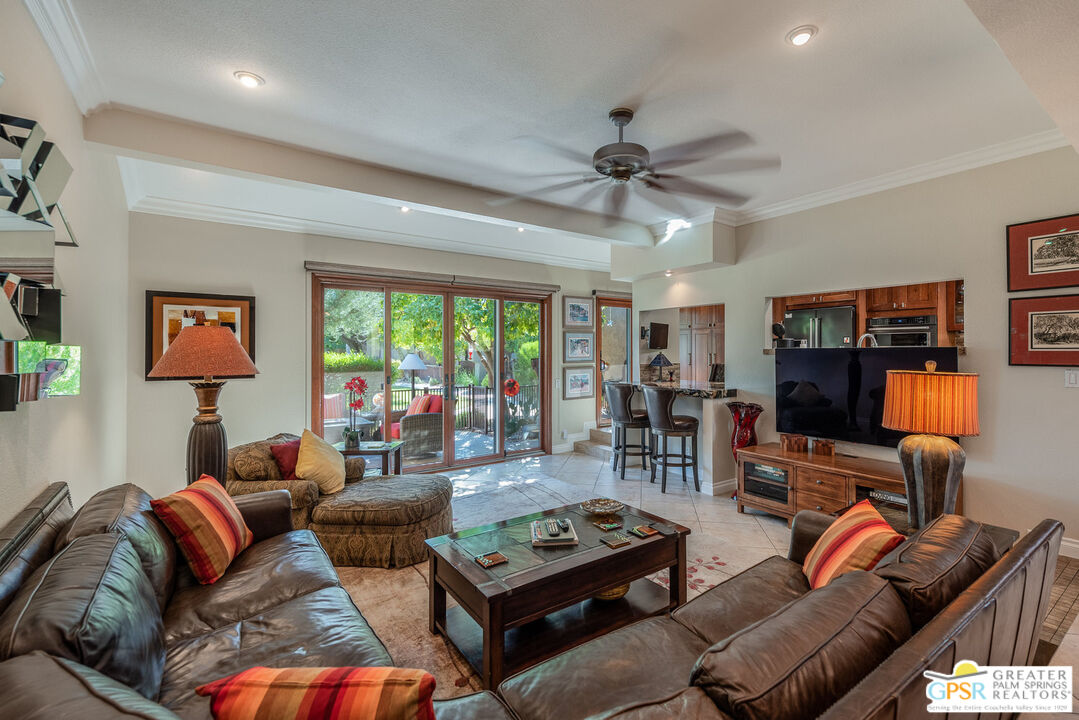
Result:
395,602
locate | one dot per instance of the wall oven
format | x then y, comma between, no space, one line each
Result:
918,331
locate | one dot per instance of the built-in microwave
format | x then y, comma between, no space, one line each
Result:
917,331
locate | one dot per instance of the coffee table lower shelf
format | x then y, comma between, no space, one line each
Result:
536,641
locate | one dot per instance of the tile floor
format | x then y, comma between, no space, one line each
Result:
722,543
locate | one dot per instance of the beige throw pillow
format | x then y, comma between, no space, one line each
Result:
321,463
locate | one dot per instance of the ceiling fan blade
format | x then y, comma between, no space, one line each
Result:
702,148
685,186
722,165
616,202
500,201
547,146
661,199
590,194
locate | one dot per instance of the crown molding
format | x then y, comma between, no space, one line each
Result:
232,216
1029,145
63,34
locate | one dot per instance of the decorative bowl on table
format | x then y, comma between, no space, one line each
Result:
601,506
615,593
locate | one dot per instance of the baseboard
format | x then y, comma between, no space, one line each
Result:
724,488
559,448
1069,547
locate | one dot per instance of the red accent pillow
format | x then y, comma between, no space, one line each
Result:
395,430
285,455
372,693
418,405
436,404
207,526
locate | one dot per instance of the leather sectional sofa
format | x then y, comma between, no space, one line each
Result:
99,617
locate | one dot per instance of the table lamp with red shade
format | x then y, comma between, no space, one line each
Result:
209,352
937,406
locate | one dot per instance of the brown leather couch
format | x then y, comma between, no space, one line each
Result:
101,617
761,645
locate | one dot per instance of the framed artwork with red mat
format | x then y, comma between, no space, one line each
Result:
1043,254
1044,331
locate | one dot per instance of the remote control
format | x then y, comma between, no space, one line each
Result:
552,528
564,524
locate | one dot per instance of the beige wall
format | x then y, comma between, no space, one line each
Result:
178,254
1020,470
78,440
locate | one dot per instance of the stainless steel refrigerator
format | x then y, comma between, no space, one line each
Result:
821,328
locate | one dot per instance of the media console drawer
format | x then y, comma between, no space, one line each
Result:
819,482
821,503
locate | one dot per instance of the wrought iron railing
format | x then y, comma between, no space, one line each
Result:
475,409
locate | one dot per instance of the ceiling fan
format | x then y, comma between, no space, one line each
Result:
622,166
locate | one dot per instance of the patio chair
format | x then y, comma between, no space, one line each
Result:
420,427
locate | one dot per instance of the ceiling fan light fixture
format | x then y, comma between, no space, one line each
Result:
248,79
674,226
801,35
405,208
667,273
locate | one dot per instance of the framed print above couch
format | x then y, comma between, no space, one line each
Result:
169,312
1044,331
1043,254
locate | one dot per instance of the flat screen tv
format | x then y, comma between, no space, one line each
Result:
838,393
657,336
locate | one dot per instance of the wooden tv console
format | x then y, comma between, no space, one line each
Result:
782,482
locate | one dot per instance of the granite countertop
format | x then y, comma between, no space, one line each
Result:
703,390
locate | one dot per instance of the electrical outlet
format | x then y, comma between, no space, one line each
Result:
1071,378
565,434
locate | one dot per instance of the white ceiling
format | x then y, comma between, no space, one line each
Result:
169,189
888,92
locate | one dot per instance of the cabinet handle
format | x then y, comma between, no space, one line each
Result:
902,304
819,508
820,482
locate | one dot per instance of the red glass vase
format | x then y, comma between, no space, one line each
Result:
745,418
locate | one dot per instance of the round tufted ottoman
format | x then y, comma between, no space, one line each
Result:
383,521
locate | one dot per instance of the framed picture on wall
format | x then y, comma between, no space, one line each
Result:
578,382
578,312
1043,254
578,347
1044,331
167,313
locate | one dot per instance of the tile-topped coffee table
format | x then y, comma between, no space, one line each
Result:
515,615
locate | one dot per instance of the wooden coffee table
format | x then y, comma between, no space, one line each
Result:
515,615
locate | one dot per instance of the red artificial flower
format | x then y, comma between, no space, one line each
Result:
356,404
511,387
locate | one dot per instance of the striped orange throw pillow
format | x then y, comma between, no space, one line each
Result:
857,540
207,526
371,693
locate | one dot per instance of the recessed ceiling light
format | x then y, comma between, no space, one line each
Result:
405,208
668,273
248,79
520,229
799,36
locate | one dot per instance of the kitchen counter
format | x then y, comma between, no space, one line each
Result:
703,390
708,403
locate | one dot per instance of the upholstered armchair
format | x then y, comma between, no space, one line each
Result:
420,427
252,469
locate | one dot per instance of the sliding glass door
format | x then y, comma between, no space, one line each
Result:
475,378
459,377
523,377
415,414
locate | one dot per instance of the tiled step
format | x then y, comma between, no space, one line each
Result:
600,436
601,450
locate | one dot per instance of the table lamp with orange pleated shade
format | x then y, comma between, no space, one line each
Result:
936,406
212,353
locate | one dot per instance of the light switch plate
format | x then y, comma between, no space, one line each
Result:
1071,378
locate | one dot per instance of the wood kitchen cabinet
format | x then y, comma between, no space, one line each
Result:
821,299
704,316
700,341
903,297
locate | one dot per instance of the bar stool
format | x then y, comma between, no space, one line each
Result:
624,417
658,402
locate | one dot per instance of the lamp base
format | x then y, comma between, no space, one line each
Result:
932,468
207,445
